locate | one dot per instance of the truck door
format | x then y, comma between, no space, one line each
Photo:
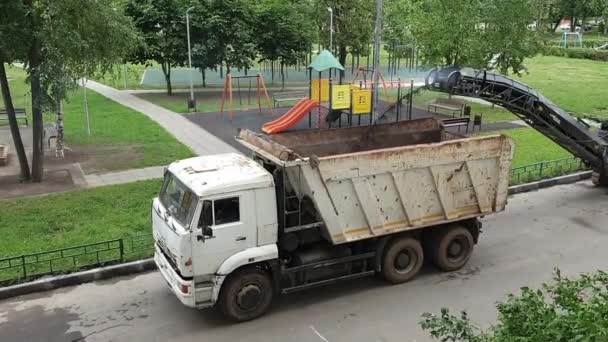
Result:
227,225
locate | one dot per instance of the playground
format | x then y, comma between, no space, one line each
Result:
325,104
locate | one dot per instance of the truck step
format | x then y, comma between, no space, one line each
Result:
326,282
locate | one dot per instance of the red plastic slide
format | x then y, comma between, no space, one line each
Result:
289,119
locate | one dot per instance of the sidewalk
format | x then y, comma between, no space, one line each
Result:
198,139
126,176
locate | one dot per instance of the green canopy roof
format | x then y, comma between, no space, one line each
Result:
325,61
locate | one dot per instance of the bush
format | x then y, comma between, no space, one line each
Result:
565,310
596,55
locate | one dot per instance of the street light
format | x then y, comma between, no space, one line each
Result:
191,102
331,27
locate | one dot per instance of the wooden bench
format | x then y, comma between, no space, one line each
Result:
457,122
288,96
450,105
50,132
20,114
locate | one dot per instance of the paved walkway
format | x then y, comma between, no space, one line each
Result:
126,176
189,134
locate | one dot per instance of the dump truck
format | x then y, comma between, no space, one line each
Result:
315,207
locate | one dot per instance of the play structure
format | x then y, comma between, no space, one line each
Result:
328,103
260,88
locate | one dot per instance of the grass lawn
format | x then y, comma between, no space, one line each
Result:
112,126
61,220
532,147
577,85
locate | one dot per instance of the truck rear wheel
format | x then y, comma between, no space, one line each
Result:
451,247
402,260
246,295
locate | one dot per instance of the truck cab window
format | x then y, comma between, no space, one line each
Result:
206,219
226,210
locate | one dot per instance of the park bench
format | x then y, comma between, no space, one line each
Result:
457,122
20,114
450,105
50,132
288,96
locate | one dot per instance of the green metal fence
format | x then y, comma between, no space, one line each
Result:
545,170
27,267
31,266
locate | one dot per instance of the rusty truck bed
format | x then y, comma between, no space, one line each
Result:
367,182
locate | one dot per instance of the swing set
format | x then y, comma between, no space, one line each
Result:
260,87
365,84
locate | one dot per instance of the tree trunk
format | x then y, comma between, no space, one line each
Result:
573,22
606,24
343,54
272,72
204,77
59,146
282,76
166,66
37,124
12,120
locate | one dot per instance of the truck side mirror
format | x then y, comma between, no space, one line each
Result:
207,231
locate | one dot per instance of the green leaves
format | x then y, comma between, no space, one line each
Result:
481,34
568,309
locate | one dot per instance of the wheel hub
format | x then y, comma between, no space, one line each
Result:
249,297
455,249
402,261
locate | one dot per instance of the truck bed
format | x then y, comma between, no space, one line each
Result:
372,181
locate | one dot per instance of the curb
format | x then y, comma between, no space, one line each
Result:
77,278
567,179
139,266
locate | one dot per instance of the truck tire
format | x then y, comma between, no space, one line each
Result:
402,260
451,247
246,294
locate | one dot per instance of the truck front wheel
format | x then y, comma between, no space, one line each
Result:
402,260
246,294
451,247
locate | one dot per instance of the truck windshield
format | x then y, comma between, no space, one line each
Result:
178,199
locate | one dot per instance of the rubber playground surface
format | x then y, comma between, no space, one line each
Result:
220,125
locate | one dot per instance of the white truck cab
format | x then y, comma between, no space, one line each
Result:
214,214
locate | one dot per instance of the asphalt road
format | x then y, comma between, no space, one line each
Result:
564,226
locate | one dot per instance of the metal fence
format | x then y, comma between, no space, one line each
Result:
65,260
545,170
27,267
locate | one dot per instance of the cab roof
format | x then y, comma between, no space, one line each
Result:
220,173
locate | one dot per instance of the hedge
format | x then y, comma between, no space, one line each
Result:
596,55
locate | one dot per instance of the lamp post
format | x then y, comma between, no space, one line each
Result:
331,32
331,28
191,102
377,42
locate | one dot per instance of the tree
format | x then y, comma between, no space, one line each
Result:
162,28
446,31
353,25
11,48
397,35
60,41
283,33
475,33
206,46
233,22
562,311
506,35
